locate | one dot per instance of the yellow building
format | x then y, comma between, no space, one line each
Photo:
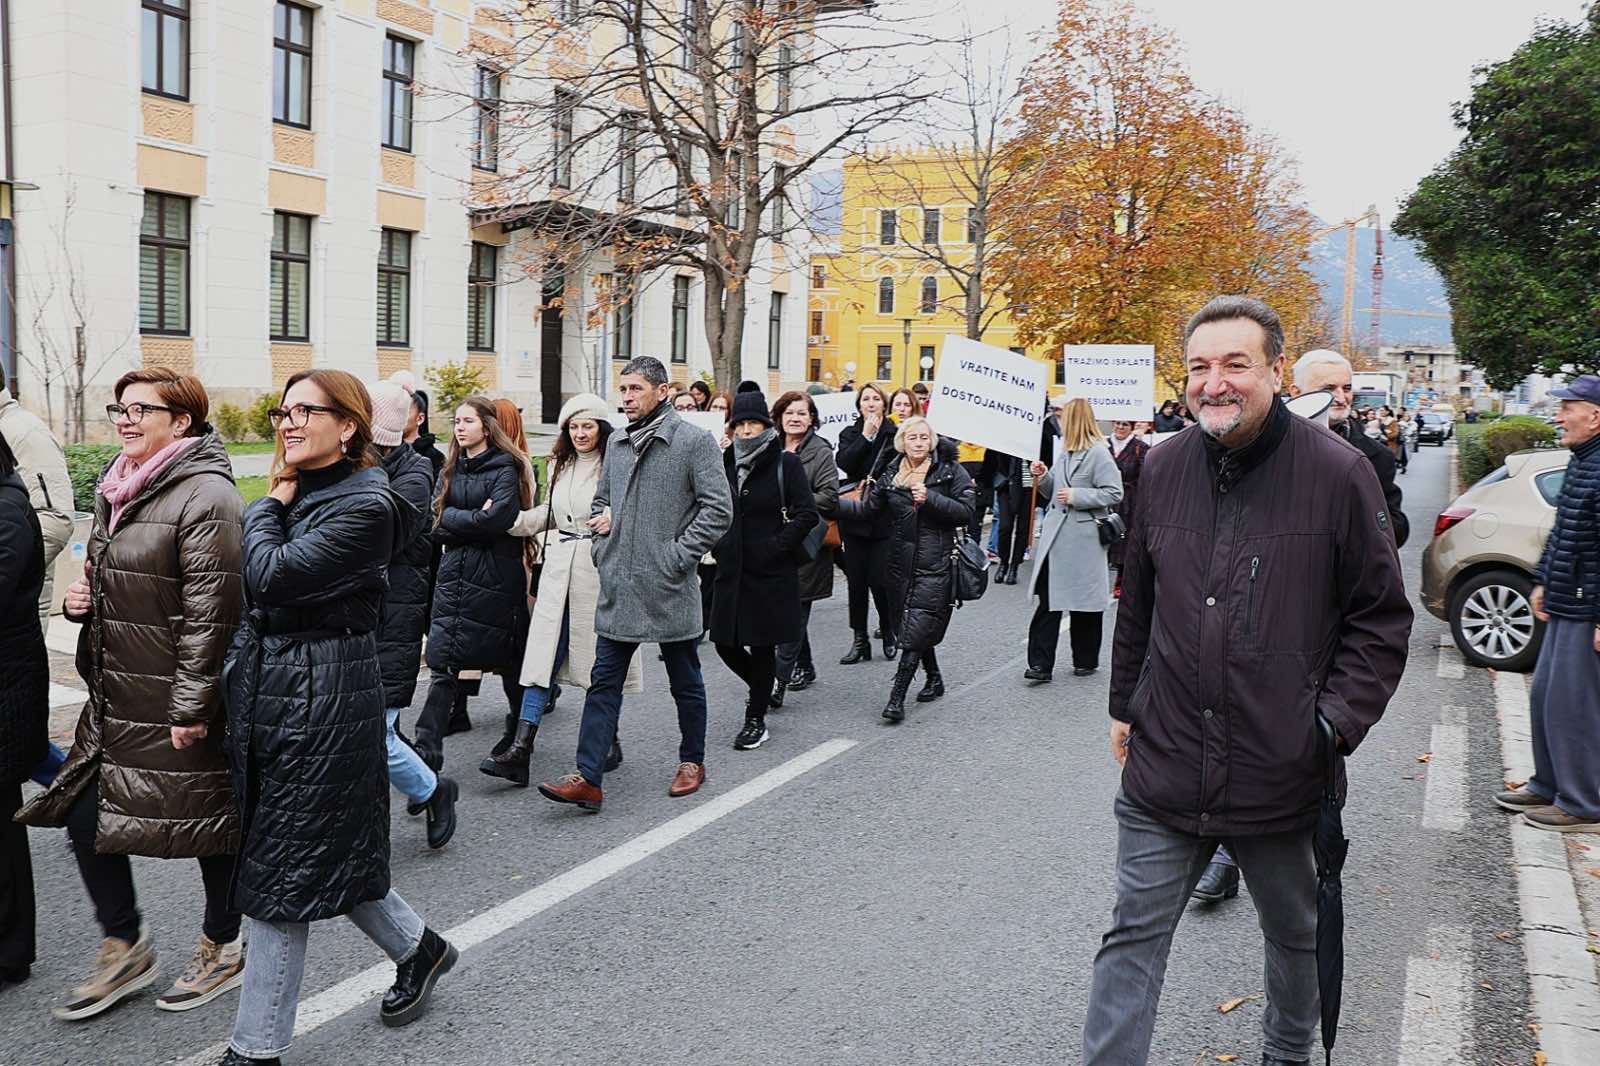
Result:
884,298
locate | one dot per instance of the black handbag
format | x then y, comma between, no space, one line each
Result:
1112,529
969,571
536,571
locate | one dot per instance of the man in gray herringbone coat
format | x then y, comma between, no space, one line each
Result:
662,502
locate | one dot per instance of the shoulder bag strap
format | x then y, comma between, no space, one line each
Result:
783,495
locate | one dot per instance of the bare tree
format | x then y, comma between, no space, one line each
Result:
60,319
681,133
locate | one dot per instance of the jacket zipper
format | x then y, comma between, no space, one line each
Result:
1250,604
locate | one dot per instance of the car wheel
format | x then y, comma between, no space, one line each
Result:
1492,621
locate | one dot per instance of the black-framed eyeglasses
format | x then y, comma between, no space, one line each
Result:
133,412
298,415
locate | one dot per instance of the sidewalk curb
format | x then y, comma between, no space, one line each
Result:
1561,972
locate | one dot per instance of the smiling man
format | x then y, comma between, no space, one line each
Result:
1266,542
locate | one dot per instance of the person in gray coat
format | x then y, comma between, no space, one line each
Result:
662,502
1083,487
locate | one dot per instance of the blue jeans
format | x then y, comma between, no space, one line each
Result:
994,528
407,772
535,698
602,708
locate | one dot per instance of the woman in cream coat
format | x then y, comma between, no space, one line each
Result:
561,638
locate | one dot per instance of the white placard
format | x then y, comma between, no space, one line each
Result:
1118,380
835,411
713,422
988,396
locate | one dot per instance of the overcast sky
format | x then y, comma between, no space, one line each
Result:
1358,91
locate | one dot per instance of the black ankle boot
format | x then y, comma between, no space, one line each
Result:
512,764
441,808
414,979
1219,882
1000,575
860,650
778,689
507,735
933,688
895,711
458,722
891,647
614,756
233,1058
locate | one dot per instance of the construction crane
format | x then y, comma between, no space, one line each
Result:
1348,311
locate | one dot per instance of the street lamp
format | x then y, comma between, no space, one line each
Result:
905,324
8,320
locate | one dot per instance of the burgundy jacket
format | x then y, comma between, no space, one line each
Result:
1251,603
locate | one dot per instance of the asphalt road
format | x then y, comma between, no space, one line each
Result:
932,893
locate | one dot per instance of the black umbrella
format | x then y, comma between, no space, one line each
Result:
1330,847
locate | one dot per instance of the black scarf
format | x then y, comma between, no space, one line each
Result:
644,427
323,476
1230,465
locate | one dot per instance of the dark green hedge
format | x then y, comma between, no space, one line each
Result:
84,463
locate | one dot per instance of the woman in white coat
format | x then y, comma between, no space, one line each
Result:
1070,573
561,638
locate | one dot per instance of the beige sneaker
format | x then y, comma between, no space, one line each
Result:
120,970
214,969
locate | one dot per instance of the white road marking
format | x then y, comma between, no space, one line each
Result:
350,993
1435,1029
65,695
1451,665
1561,972
1444,805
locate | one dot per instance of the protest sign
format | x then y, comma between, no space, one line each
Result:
713,422
835,411
989,396
1118,380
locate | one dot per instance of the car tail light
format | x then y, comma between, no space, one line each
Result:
1449,517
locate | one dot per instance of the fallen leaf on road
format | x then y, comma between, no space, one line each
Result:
1593,949
1232,1005
1514,785
1540,1058
1227,1058
1426,756
1486,986
1503,936
1593,871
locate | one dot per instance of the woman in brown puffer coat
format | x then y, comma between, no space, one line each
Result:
159,604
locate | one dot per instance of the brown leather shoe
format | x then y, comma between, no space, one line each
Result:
1556,820
575,790
688,779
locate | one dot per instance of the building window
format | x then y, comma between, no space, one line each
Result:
486,124
785,76
819,276
972,225
680,319
569,10
930,225
925,363
394,288
930,295
885,296
816,323
885,362
622,317
816,370
775,332
481,277
291,277
291,65
627,157
164,265
887,227
736,36
164,47
399,70
566,107
780,197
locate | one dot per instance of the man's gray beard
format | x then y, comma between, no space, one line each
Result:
1223,431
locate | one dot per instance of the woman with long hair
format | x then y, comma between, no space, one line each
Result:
865,450
1082,486
795,419
480,599
24,709
756,606
561,636
159,601
904,404
928,497
306,717
702,394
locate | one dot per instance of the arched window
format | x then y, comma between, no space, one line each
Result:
930,295
885,296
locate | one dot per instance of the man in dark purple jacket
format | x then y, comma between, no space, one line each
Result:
1261,591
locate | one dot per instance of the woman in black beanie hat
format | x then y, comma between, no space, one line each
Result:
756,602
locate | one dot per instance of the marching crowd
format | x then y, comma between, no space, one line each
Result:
248,667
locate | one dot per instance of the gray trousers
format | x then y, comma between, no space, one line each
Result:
1565,715
275,963
1157,868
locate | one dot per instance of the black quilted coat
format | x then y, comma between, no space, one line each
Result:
1569,568
24,671
923,538
859,459
480,600
305,703
756,601
405,608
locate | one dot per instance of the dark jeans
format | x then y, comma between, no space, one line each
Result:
109,880
1044,632
16,890
602,707
756,668
796,652
443,691
866,569
1016,523
975,527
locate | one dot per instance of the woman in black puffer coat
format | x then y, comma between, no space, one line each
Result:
480,599
928,497
865,450
305,716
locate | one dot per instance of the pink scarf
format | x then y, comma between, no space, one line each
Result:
123,481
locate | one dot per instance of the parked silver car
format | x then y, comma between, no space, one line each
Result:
1477,572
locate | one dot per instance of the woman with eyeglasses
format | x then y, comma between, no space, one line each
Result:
147,775
480,599
865,451
306,717
795,418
